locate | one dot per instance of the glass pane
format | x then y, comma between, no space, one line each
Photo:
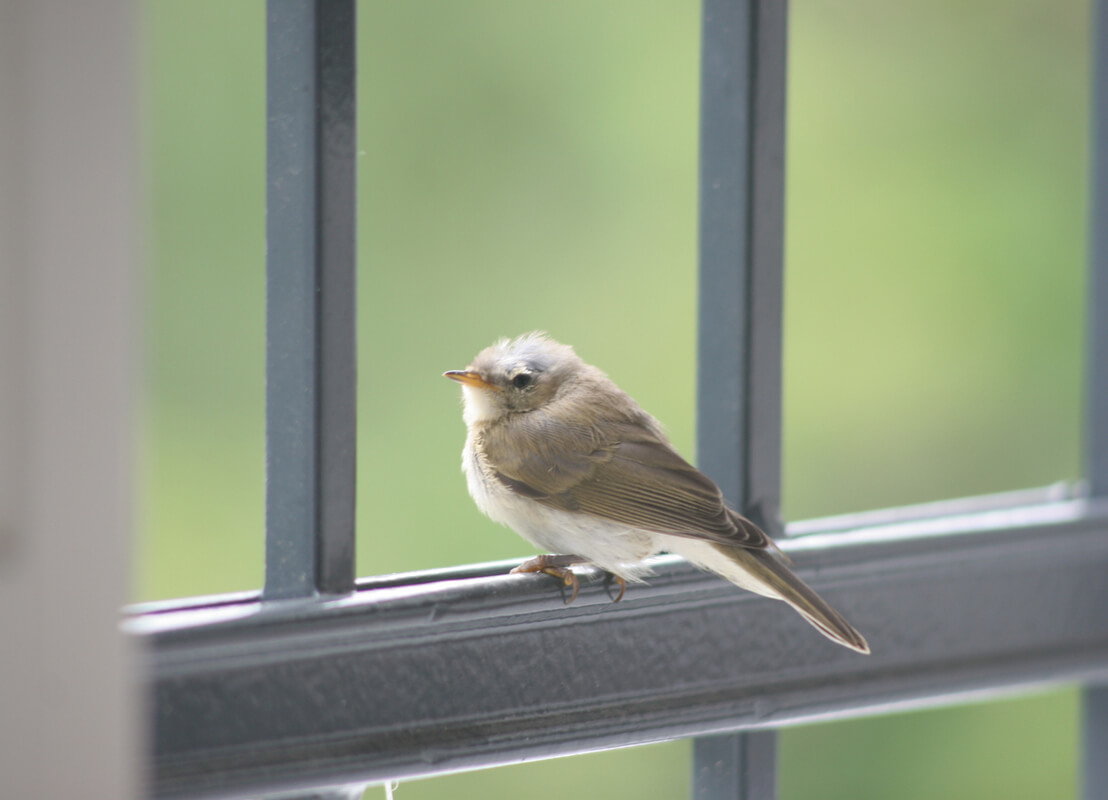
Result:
538,172
1022,749
526,166
655,772
936,218
204,451
534,166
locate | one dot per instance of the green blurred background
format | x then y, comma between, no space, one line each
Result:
530,164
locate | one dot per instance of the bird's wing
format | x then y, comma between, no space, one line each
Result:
629,474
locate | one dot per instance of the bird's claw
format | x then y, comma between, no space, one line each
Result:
622,585
557,566
569,577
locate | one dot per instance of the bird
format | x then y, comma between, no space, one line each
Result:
565,458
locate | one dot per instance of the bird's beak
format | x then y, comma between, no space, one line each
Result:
468,378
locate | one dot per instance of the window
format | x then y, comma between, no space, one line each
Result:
465,667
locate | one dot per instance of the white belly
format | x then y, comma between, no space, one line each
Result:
616,548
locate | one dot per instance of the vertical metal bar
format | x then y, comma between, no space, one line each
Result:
310,298
1094,743
736,765
1096,403
742,157
1095,701
311,377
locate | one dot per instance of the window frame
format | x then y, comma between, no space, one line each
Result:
308,684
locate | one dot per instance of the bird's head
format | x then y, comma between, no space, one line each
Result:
515,376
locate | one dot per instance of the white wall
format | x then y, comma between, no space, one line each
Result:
68,234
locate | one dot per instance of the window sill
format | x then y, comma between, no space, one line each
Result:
464,668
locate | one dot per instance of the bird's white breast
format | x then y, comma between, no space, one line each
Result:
619,549
479,406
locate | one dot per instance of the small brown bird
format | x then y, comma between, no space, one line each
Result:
557,452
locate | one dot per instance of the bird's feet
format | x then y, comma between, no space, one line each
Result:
622,586
559,567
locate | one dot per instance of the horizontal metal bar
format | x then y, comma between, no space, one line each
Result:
405,680
951,507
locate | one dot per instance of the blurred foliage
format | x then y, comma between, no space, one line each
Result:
533,165
936,239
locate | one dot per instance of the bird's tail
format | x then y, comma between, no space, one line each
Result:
765,573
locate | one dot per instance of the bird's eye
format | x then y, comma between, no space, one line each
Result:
522,380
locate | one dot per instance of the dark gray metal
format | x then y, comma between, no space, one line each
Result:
405,680
742,185
1096,413
351,792
735,765
742,143
1095,742
310,298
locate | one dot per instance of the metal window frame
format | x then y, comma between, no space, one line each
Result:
307,686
